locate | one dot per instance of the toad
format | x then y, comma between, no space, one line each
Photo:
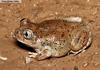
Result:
54,37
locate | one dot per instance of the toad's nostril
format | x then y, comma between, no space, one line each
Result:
17,31
15,34
12,35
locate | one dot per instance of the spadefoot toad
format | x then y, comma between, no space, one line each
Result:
54,37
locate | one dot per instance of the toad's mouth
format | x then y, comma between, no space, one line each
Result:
24,46
24,42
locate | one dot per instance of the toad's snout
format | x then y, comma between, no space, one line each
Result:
17,34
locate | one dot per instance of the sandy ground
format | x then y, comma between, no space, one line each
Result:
37,10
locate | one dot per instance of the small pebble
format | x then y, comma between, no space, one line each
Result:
56,13
9,10
85,64
35,5
3,58
74,19
88,0
96,53
96,64
49,64
0,8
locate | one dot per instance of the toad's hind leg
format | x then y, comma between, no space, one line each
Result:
80,40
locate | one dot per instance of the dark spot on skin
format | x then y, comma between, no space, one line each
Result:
68,30
64,41
55,48
62,35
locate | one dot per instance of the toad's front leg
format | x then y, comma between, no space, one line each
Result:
40,55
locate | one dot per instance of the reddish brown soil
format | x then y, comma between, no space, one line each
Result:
37,10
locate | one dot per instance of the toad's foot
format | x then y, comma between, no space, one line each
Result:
45,53
29,59
32,54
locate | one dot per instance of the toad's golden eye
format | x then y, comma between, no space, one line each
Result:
27,33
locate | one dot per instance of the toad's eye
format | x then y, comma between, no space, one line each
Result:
27,33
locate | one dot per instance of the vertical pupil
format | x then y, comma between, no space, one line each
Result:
26,34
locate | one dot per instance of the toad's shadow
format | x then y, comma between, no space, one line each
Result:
25,47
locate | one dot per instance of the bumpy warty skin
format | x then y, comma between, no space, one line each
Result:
53,38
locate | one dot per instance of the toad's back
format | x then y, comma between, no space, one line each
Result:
58,28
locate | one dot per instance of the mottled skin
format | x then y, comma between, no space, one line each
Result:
53,38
